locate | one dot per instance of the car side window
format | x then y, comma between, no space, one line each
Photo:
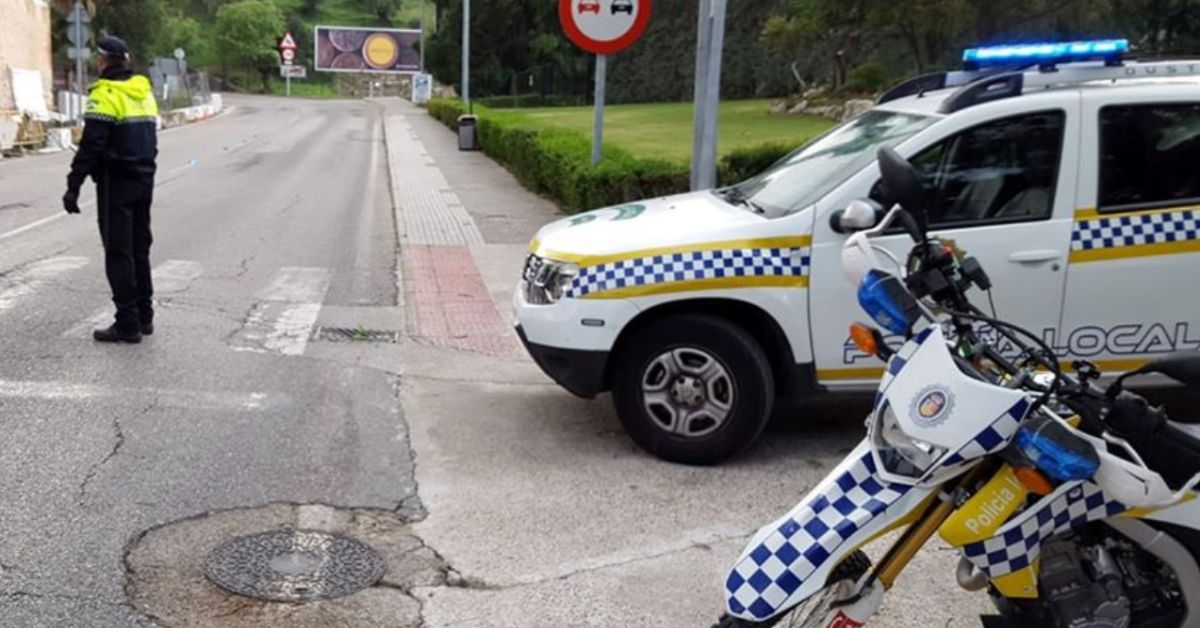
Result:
1002,171
1148,156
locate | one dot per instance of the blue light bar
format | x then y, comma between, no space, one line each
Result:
1045,53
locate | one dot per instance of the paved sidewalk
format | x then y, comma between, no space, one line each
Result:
546,511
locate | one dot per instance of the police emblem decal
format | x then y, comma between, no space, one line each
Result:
931,406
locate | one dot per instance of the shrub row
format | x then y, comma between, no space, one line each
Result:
526,101
557,162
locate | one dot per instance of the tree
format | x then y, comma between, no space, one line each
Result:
138,22
382,10
247,32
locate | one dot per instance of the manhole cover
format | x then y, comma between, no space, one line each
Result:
356,334
294,566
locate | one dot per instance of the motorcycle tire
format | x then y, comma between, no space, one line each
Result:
852,568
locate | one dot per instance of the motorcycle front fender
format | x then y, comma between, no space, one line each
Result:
789,560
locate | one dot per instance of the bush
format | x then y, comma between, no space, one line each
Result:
868,78
526,101
557,162
447,111
743,163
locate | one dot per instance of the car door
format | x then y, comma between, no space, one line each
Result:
1002,190
1131,292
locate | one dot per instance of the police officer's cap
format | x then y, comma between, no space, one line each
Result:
113,47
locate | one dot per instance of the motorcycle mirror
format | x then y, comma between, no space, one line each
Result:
904,186
1181,366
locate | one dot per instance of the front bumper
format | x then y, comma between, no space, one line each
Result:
579,371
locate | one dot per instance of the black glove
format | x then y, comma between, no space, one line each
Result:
71,201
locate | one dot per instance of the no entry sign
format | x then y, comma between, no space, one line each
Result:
604,27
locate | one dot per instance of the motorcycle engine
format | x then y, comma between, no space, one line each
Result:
1083,586
1104,581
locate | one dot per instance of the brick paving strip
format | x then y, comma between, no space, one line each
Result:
451,304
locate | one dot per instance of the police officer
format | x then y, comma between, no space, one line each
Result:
117,151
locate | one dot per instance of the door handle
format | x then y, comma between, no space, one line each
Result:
1034,257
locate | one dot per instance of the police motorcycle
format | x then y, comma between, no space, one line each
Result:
1071,504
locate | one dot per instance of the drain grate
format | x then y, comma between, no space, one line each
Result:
355,334
294,565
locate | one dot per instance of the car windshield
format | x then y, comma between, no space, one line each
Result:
804,176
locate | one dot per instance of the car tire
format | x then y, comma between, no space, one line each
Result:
693,388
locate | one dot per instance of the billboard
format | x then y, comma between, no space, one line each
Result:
347,49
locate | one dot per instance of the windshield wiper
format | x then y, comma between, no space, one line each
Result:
735,196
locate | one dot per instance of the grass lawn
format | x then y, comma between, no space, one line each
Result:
665,129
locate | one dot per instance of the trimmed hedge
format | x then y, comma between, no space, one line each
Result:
526,101
743,163
557,162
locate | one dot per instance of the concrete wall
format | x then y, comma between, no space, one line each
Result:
25,44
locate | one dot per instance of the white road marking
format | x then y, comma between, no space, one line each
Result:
30,278
175,275
191,399
170,276
37,223
284,318
298,285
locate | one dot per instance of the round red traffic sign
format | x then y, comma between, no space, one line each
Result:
288,54
604,27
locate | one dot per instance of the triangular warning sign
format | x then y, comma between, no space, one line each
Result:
288,41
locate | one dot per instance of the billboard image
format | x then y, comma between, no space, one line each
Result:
346,49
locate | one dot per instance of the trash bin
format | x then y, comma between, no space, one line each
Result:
466,133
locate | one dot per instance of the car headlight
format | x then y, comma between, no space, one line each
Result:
545,280
900,453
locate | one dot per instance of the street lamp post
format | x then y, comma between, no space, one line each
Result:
466,52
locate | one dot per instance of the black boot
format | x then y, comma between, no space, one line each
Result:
147,329
112,333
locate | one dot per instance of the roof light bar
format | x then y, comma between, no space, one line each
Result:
1045,53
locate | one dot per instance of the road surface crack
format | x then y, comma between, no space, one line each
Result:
118,443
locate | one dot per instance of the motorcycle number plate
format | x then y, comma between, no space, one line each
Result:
841,620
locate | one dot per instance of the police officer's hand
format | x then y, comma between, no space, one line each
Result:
71,202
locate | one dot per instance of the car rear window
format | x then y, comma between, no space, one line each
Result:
1148,156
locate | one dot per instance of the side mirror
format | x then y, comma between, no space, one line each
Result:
1181,366
859,215
904,186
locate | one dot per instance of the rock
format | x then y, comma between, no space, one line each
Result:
856,107
779,107
814,93
799,108
827,111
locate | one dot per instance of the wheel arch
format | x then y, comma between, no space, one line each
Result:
791,379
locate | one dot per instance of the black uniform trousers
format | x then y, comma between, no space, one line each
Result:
123,210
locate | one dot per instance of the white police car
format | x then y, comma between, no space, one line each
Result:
1069,172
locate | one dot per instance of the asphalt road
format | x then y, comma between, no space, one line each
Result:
266,219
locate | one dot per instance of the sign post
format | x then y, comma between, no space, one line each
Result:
287,51
78,33
603,28
710,43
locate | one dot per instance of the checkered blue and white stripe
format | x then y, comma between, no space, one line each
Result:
993,438
691,266
898,361
1141,229
762,581
1020,541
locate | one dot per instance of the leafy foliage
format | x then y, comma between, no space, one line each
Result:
246,33
557,162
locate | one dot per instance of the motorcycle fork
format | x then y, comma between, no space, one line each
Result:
924,526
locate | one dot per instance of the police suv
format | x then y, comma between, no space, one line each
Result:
1071,172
